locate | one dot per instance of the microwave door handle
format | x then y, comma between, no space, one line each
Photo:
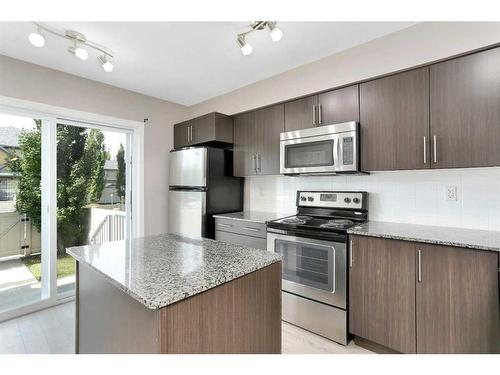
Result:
335,152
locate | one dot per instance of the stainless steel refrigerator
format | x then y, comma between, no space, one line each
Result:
201,184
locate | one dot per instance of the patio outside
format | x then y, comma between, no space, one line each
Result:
90,191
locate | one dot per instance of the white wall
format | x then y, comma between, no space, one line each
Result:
22,80
416,197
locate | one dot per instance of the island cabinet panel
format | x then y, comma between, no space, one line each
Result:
269,123
244,154
394,122
457,301
301,113
241,316
337,106
465,110
382,292
110,321
182,133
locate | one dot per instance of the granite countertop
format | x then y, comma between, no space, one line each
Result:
253,216
160,270
460,237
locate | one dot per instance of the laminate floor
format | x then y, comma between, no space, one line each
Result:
52,331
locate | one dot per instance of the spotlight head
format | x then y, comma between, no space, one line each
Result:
274,31
107,65
37,39
81,53
246,49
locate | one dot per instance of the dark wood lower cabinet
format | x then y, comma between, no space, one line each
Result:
421,298
382,292
457,301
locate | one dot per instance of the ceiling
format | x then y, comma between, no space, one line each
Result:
189,62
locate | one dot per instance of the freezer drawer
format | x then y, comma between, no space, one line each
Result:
188,167
187,212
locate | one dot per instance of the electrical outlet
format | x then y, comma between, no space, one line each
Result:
451,193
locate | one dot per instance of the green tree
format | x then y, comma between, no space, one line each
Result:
97,155
120,175
80,165
29,193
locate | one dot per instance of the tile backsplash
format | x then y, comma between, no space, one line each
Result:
418,197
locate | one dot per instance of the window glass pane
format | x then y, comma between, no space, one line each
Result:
307,264
315,154
91,177
20,215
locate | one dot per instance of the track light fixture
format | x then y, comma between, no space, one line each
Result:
80,47
274,33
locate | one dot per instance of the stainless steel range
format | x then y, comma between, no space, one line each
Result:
313,244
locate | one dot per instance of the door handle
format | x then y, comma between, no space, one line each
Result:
350,254
259,163
251,229
314,114
188,134
191,133
320,116
254,161
435,148
425,150
419,266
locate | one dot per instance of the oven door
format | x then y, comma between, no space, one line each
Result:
315,269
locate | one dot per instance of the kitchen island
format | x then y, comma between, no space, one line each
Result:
173,294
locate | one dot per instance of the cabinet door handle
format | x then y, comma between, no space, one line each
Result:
188,132
254,160
314,114
320,115
425,149
435,148
419,266
259,163
251,229
350,254
191,133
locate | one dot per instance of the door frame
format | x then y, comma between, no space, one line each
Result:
50,116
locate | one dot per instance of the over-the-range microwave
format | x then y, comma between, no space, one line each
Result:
330,149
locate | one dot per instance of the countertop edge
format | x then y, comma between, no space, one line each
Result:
423,240
176,298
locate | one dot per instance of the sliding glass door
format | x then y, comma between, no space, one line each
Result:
92,200
62,183
21,257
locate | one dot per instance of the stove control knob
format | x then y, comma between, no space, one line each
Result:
347,200
355,200
310,199
303,199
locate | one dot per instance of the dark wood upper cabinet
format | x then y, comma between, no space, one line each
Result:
182,133
394,122
465,110
457,301
337,106
212,128
301,113
244,163
269,123
382,292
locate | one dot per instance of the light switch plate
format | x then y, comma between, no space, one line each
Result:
451,193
